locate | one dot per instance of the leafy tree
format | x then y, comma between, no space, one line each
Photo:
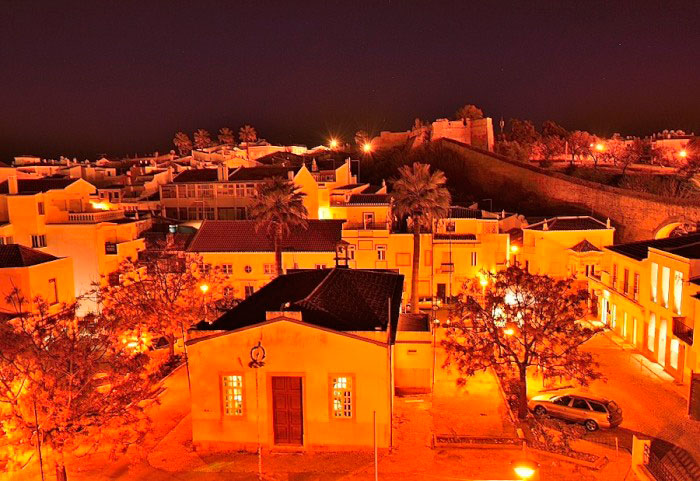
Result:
521,320
182,143
469,112
361,138
614,151
632,154
202,139
160,294
422,196
691,165
278,207
248,135
549,147
226,136
552,129
580,144
523,133
71,384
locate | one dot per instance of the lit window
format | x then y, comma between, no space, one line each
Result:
677,291
381,253
665,284
342,397
232,390
675,346
654,280
651,332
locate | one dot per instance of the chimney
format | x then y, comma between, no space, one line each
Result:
607,223
222,172
545,226
12,186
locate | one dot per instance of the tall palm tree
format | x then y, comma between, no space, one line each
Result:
278,207
226,136
183,143
202,139
422,196
247,134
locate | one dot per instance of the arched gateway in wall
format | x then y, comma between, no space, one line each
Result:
635,215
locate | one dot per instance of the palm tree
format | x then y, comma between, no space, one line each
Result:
202,139
422,196
278,207
247,134
226,136
183,143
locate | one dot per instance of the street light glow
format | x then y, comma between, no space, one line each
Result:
509,331
514,249
525,469
204,288
367,147
683,153
333,144
599,147
484,282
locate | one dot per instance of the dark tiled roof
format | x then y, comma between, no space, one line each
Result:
349,187
372,189
242,236
197,175
464,213
585,246
369,199
569,223
414,322
338,299
33,186
260,173
687,246
15,255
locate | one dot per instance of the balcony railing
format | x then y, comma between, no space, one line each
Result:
366,226
683,331
93,217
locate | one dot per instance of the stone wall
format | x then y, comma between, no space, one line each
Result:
635,215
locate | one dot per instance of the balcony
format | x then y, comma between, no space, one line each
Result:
366,226
683,331
94,217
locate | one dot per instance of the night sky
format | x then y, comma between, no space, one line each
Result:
122,77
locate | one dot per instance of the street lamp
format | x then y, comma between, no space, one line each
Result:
514,249
367,147
599,147
525,469
204,288
683,153
333,144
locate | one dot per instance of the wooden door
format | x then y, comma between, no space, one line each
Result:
287,410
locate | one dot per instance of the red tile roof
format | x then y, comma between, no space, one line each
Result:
15,255
242,236
369,199
197,175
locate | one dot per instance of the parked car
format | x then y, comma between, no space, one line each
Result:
590,411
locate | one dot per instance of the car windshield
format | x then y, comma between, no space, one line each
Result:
613,407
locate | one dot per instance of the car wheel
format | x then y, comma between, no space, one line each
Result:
591,425
540,411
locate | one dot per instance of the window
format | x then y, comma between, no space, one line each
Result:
614,276
38,241
450,226
677,291
624,325
171,212
209,213
651,332
342,397
381,253
250,190
191,191
320,266
675,346
53,289
227,269
269,269
204,268
249,290
168,192
248,269
654,280
597,407
635,286
40,207
206,190
473,259
183,213
580,404
626,281
428,258
232,391
240,190
665,284
563,401
351,252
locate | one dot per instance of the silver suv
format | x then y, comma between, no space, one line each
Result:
589,411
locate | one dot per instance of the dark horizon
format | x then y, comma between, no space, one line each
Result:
119,79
